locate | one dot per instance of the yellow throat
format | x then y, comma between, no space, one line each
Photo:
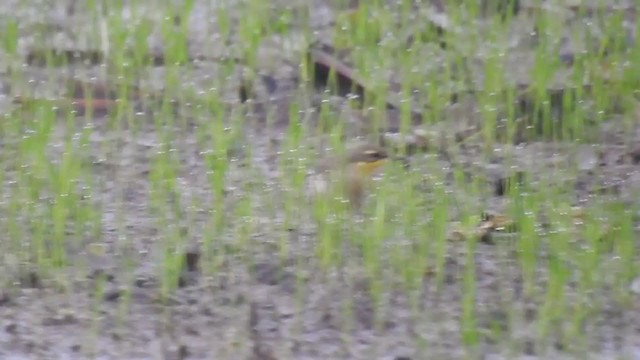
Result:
366,169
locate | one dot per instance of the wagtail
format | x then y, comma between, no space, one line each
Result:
350,172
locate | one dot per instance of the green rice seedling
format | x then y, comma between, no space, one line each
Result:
436,231
621,237
295,163
176,43
468,322
251,30
546,66
166,206
217,162
560,243
408,216
36,175
95,322
139,34
11,34
223,21
489,98
525,210
328,212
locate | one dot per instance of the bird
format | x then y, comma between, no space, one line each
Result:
348,174
337,192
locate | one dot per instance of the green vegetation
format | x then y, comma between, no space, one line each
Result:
198,169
